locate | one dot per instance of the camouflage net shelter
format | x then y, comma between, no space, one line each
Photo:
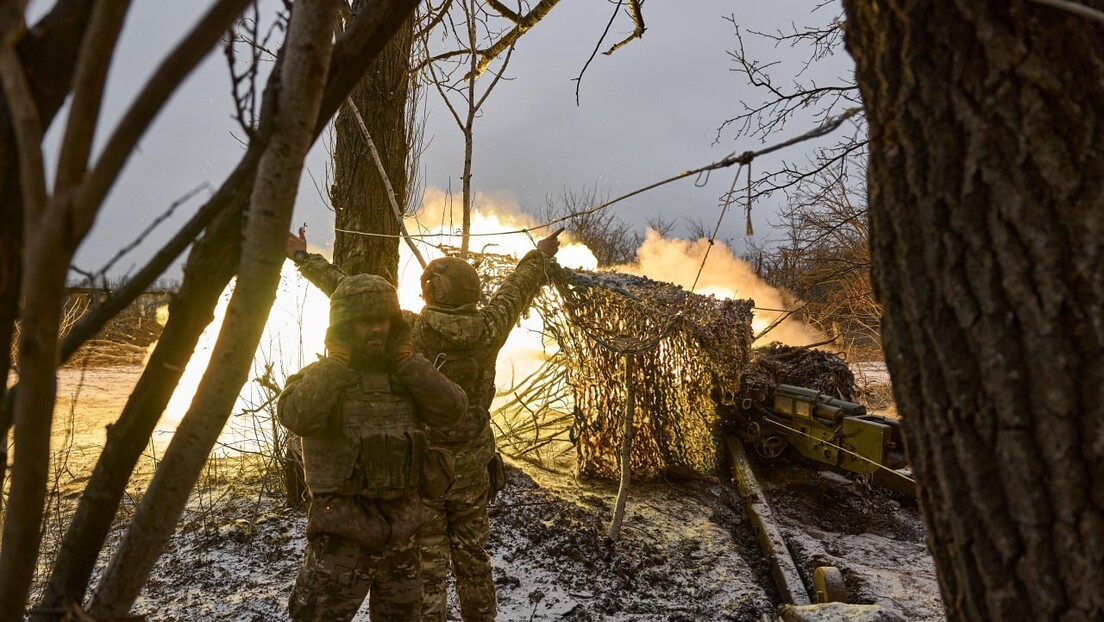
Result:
686,349
778,364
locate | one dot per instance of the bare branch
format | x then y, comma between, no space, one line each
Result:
504,11
149,229
435,17
88,84
524,24
638,32
597,46
176,66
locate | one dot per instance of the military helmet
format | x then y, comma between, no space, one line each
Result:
363,296
450,281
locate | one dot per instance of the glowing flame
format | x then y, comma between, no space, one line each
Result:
293,336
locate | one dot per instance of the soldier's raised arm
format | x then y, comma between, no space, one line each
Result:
516,292
323,274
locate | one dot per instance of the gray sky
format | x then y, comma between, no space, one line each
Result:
647,112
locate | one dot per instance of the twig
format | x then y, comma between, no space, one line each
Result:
579,80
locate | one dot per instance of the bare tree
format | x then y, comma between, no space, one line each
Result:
303,77
986,201
824,257
85,536
612,240
54,224
467,24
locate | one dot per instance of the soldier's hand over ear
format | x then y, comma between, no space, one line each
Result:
337,346
399,346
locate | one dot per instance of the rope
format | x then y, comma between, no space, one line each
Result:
742,159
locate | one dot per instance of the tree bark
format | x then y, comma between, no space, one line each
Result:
360,197
49,54
986,218
303,74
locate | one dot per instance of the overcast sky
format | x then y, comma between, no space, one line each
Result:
647,112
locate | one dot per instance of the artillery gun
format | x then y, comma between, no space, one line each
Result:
827,430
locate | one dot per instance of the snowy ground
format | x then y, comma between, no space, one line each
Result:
686,551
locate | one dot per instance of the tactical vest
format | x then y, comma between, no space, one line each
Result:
466,366
379,451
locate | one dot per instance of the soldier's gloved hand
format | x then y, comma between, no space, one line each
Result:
550,245
296,244
337,346
399,345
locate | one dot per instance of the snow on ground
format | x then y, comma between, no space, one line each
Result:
686,551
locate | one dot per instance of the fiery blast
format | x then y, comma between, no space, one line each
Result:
296,325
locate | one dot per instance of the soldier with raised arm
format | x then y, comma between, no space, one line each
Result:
463,339
363,413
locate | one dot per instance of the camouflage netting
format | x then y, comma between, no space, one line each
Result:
685,345
780,364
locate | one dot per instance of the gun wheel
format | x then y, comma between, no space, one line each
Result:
771,447
753,431
828,585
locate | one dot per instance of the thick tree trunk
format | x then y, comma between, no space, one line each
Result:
359,194
303,75
986,220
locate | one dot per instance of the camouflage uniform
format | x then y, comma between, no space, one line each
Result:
366,461
464,341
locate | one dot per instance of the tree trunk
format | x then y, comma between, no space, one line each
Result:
359,195
303,76
52,229
986,218
49,54
208,270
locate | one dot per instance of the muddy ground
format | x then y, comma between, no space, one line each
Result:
686,552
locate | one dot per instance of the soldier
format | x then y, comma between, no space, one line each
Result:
362,412
463,339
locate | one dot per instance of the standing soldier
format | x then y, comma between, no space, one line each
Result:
362,412
463,340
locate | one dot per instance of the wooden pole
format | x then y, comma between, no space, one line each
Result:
626,452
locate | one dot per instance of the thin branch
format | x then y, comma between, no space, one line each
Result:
176,66
597,46
88,85
504,11
637,33
497,76
153,225
528,21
